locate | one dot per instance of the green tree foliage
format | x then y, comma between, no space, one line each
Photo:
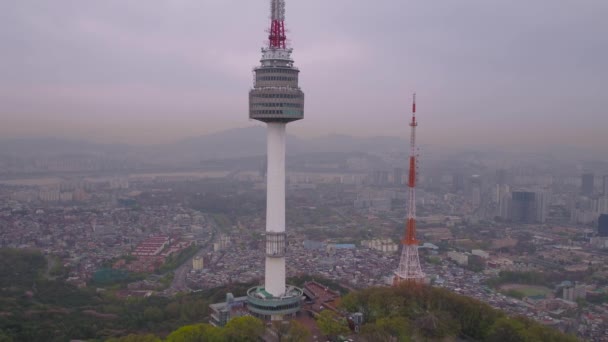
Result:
530,278
109,276
244,328
39,309
196,333
19,268
476,263
281,329
330,325
136,338
153,314
172,310
57,270
535,332
373,333
515,294
507,330
436,325
291,331
239,329
433,313
387,330
56,311
433,260
4,337
297,333
59,293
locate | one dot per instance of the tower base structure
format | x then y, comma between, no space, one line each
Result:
267,307
409,270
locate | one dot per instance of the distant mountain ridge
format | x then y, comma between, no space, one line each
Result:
229,144
54,146
247,142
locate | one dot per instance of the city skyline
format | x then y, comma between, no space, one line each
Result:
136,200
114,72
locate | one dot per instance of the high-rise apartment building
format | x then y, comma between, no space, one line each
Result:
587,184
523,207
501,177
526,206
602,225
398,176
458,182
475,191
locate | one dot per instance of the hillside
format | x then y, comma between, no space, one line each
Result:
36,308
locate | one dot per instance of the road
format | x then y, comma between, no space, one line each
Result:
179,276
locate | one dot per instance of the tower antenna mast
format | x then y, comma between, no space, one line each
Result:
409,266
277,37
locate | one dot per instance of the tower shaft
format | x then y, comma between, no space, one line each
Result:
275,209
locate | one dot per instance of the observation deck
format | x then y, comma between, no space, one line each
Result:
276,95
264,305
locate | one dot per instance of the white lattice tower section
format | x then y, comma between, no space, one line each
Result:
277,10
409,265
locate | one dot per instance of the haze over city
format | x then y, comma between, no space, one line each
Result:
304,171
487,73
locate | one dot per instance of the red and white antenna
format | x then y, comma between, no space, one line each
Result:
410,233
409,266
277,37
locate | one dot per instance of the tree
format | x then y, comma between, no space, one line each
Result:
196,333
172,310
476,263
507,330
246,328
538,332
351,302
136,338
330,325
398,327
153,314
297,333
387,330
372,332
4,337
281,328
437,325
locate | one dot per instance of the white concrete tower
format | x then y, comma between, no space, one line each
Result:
275,99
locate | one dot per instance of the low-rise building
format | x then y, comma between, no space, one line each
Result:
460,258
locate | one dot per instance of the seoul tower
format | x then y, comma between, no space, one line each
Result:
409,270
275,99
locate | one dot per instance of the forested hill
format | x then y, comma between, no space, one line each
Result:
37,305
428,313
408,313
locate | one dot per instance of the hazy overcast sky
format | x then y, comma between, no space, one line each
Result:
141,71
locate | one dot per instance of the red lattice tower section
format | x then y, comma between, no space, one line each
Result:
409,266
277,38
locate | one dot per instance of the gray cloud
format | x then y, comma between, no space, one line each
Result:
498,72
